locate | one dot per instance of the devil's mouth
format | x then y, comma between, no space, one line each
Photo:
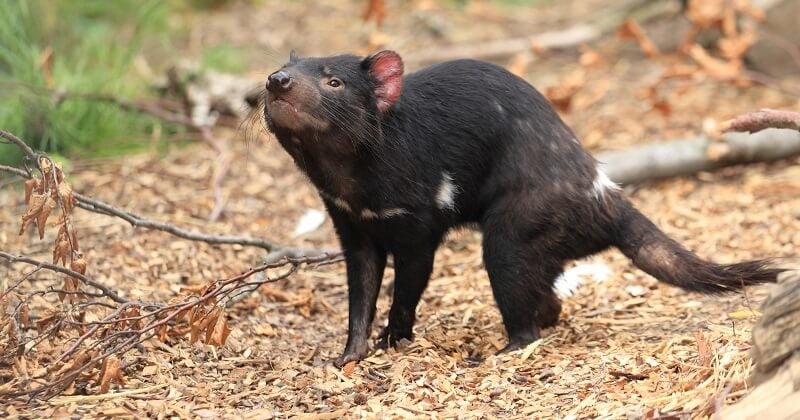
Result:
282,104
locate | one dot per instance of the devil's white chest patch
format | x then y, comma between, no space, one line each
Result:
446,194
366,213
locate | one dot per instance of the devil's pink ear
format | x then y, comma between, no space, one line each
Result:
386,67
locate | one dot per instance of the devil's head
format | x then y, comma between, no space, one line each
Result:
339,98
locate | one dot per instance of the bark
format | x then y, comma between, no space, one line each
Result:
776,352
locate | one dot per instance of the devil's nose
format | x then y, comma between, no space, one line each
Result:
280,81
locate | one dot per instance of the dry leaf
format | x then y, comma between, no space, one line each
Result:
34,208
375,10
703,349
220,332
78,264
561,96
24,315
45,166
162,333
110,372
67,198
30,186
705,13
590,57
348,368
735,47
715,67
60,252
519,63
41,218
631,30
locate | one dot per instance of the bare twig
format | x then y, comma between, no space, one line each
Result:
765,118
135,220
162,316
57,268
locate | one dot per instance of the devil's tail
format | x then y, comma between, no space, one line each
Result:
654,252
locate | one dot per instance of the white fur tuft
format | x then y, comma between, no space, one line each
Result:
601,184
567,283
446,195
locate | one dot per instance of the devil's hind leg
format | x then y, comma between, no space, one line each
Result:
522,273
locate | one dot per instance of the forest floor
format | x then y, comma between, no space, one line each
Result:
625,346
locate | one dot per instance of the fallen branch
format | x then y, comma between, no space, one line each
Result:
685,157
567,38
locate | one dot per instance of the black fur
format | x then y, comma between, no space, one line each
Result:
379,162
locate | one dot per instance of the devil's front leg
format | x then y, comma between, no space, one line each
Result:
413,267
365,262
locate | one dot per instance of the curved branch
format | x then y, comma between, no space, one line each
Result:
57,268
97,206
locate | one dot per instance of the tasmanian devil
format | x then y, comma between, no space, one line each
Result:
398,161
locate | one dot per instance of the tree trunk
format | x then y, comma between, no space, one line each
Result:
776,352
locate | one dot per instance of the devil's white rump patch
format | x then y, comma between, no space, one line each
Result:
601,184
446,195
567,283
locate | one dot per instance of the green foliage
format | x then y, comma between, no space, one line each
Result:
81,46
225,58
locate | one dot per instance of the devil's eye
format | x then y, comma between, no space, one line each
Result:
334,83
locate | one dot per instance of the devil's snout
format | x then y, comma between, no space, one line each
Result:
279,82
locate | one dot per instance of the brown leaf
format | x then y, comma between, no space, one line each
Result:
41,218
67,199
590,57
703,349
735,47
715,67
662,106
631,30
705,13
62,231
75,245
44,164
71,285
44,322
78,264
24,315
60,252
348,368
30,186
220,332
110,372
519,63
34,208
162,333
561,96
196,320
209,322
59,173
376,10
